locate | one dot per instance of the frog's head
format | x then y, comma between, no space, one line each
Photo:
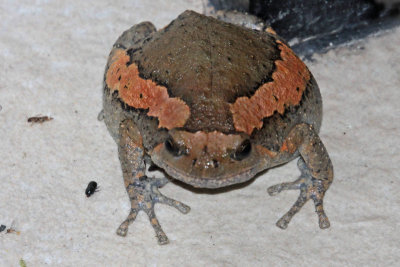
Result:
209,159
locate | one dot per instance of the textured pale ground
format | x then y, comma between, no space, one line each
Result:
52,57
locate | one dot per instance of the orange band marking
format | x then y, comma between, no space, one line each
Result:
145,94
289,82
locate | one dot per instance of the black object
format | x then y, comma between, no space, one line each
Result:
317,25
153,168
238,5
298,19
2,228
91,188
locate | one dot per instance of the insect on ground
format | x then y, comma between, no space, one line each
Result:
39,119
91,189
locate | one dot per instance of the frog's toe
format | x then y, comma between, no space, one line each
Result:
283,222
276,189
301,200
162,239
319,209
324,222
174,203
123,228
161,236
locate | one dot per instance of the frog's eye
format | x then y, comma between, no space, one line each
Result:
242,151
173,148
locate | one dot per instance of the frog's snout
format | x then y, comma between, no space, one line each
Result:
207,159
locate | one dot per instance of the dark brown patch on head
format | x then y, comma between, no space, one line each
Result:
289,82
144,94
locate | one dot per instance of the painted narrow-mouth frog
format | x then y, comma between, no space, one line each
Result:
212,104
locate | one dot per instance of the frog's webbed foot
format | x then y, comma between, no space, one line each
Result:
315,179
144,194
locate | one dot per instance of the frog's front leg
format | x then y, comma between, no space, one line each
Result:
316,173
142,190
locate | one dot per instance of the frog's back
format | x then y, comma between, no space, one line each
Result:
208,64
230,79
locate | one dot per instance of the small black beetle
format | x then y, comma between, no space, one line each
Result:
91,188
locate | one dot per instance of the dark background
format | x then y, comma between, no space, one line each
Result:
317,25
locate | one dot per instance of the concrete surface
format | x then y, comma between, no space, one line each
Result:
52,57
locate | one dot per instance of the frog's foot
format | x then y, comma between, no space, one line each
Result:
144,194
310,188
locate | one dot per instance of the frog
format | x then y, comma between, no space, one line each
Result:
212,104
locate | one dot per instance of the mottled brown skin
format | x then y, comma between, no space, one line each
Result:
212,104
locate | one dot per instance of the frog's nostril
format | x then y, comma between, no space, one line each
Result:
215,163
242,151
172,147
194,162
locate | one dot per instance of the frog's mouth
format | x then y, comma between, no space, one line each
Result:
202,180
209,160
